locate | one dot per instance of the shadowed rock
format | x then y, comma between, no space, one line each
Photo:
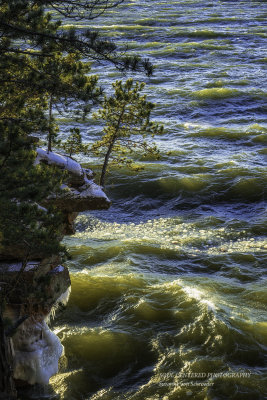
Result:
34,288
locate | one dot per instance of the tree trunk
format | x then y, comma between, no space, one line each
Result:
7,386
104,168
50,134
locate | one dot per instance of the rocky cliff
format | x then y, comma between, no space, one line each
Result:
40,284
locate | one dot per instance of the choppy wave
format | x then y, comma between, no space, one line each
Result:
170,281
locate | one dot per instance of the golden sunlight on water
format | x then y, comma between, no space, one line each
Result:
154,302
168,287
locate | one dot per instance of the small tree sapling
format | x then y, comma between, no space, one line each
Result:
127,125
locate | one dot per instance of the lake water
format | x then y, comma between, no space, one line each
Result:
169,285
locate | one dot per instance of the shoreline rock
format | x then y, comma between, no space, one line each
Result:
41,284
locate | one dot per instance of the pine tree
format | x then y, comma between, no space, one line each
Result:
69,89
41,37
127,118
74,143
24,187
40,70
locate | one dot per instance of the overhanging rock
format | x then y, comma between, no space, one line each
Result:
80,193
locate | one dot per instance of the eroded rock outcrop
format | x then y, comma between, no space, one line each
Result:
80,193
41,284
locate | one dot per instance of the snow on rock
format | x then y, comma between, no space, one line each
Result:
37,354
37,349
91,189
78,194
59,268
64,298
87,197
62,161
18,265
